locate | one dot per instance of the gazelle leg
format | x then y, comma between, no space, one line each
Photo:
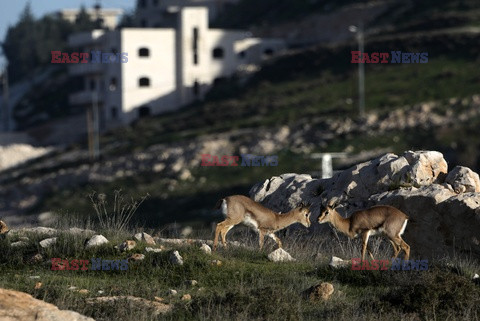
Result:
218,229
260,238
396,249
276,239
365,236
224,232
404,246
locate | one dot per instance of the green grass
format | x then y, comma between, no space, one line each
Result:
246,285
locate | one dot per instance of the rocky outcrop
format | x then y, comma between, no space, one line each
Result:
16,305
444,208
156,308
463,179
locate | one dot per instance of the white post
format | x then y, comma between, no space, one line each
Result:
327,169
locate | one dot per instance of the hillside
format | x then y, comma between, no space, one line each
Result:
303,102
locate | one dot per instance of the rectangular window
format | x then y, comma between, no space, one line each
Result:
195,46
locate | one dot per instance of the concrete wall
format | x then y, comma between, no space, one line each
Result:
159,67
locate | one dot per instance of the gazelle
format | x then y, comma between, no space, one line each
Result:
377,219
241,209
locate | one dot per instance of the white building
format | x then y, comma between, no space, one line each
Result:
167,67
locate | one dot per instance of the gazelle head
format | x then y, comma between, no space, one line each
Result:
326,214
302,214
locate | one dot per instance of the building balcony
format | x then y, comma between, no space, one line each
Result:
85,69
82,39
85,97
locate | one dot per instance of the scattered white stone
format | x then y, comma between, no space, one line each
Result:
34,277
337,262
280,255
476,276
96,240
100,291
72,288
136,257
48,242
172,292
18,244
152,249
175,258
39,230
76,231
191,282
127,245
144,237
205,248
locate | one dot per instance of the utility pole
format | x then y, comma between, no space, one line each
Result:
361,72
360,35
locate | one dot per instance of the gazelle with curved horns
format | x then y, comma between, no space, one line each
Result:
241,209
378,219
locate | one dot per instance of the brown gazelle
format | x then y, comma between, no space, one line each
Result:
377,219
241,209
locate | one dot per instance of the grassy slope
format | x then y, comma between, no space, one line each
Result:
246,285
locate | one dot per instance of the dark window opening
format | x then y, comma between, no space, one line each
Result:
143,23
144,82
93,85
219,80
114,50
268,52
144,111
217,53
195,46
114,112
242,54
143,52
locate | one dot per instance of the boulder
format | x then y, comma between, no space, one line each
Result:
175,258
16,305
144,237
48,242
463,179
206,249
280,255
442,219
127,245
321,291
96,240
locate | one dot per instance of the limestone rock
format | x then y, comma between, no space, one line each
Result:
127,245
321,291
136,257
18,244
175,258
441,220
16,305
463,179
144,237
206,249
337,262
280,255
154,250
156,307
48,242
96,240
